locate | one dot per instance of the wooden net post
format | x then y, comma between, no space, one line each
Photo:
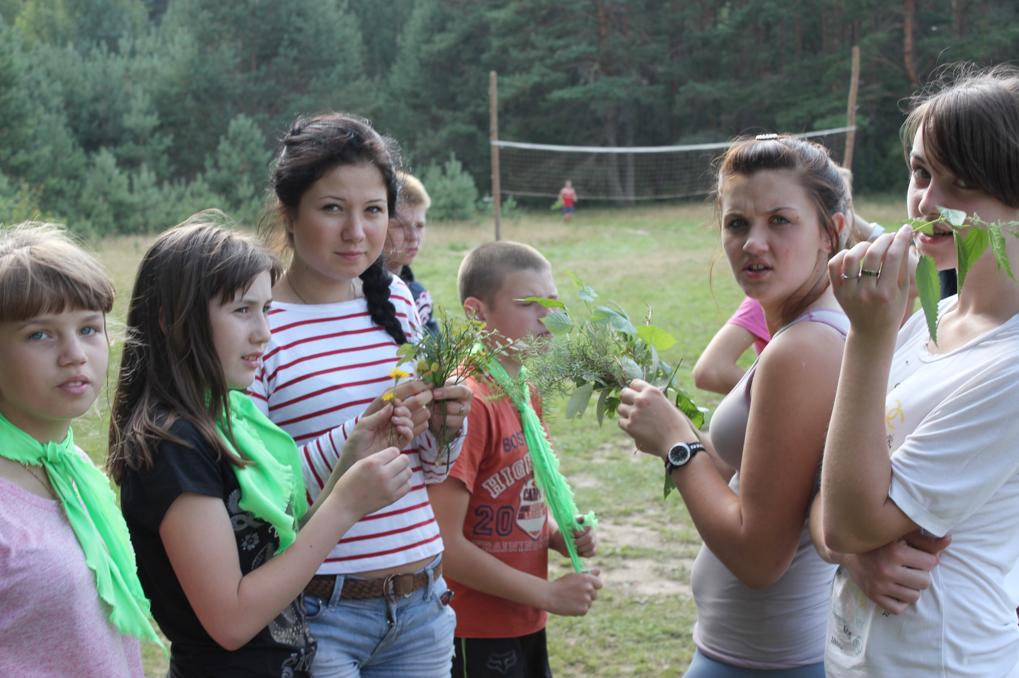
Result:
854,87
493,133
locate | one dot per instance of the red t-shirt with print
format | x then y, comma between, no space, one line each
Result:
506,515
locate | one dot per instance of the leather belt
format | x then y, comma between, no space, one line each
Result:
391,587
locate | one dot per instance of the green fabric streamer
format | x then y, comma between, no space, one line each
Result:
272,488
558,495
91,509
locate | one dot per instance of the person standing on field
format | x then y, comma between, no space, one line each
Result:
568,197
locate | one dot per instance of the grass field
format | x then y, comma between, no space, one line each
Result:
666,258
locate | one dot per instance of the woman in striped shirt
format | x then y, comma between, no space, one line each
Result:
378,604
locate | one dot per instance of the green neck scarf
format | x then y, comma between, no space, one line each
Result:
272,488
91,509
558,495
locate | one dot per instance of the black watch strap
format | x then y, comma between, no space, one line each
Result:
680,455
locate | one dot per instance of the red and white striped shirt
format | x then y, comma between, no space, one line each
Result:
323,366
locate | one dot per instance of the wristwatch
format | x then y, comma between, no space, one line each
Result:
680,455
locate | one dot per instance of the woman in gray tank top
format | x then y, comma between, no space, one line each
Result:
761,590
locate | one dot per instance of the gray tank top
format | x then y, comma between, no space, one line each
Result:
781,626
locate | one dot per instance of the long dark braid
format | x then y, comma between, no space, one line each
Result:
375,284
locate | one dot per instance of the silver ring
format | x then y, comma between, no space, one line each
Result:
864,271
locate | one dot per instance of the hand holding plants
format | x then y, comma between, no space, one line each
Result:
871,283
390,426
375,481
654,423
454,401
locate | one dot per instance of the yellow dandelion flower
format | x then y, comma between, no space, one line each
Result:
388,395
435,367
422,367
397,373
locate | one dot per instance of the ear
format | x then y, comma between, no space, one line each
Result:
475,309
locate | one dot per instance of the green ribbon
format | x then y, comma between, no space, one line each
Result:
558,495
91,509
272,488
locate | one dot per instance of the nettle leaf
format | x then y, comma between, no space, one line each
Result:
547,302
558,322
969,247
998,247
928,285
922,226
614,319
656,337
955,217
578,401
690,409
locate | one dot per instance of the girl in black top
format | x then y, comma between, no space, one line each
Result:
211,490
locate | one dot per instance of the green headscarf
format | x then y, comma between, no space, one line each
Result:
91,509
558,495
272,488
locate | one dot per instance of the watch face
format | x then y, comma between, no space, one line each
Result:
679,454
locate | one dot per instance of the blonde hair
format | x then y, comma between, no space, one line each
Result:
412,192
484,269
43,271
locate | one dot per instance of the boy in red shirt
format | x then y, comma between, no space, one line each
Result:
493,519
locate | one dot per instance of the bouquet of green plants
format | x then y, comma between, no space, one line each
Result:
970,244
600,352
462,347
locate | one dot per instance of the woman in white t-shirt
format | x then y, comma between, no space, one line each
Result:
938,451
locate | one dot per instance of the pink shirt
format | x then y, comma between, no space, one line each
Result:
750,316
52,622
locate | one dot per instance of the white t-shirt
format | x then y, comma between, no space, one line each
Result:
953,433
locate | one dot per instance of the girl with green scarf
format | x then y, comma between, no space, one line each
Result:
211,490
70,600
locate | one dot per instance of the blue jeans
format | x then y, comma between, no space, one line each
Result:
410,637
704,667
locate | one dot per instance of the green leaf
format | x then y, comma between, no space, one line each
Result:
922,226
955,217
929,288
558,322
969,246
656,337
407,352
578,401
630,368
601,405
586,293
611,403
998,247
688,407
547,302
669,486
614,319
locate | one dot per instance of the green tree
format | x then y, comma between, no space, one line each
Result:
237,170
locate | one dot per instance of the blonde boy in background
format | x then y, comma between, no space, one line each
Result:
492,516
